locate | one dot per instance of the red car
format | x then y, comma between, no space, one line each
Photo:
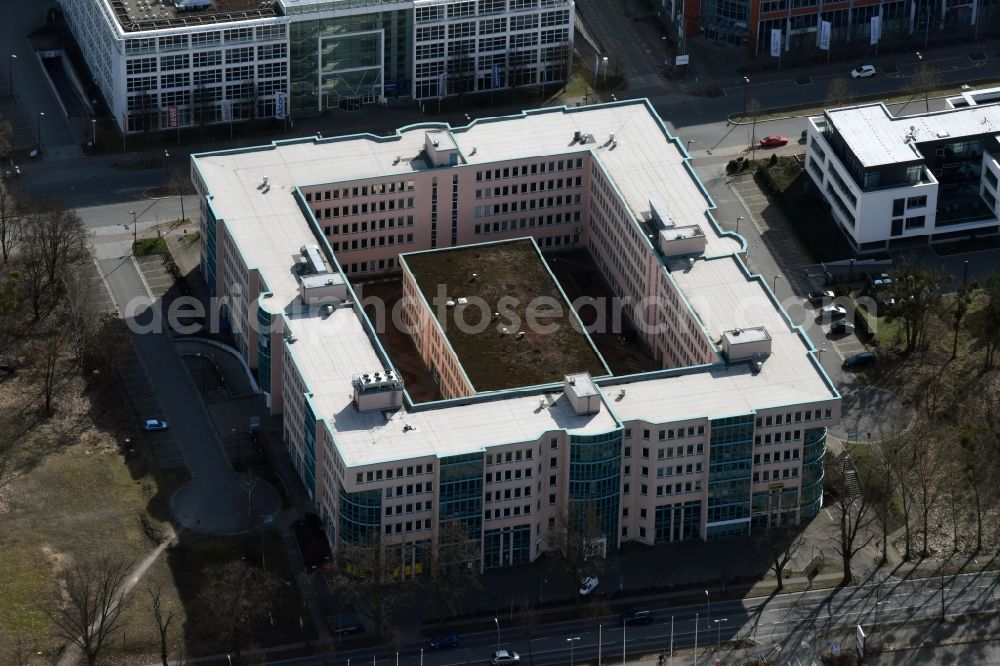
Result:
773,141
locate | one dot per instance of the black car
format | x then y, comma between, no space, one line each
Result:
637,616
820,297
841,327
861,360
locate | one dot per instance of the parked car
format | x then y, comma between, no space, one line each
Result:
637,616
861,360
588,585
505,657
773,141
842,327
819,297
154,425
832,313
444,641
862,72
348,629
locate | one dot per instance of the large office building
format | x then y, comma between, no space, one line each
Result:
723,434
167,63
749,23
893,182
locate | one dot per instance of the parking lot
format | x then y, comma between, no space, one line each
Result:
157,277
147,406
775,231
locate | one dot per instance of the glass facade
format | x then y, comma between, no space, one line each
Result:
263,350
460,494
507,546
208,256
309,445
813,454
359,516
730,460
595,483
345,61
678,522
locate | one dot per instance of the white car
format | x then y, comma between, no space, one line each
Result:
505,658
832,313
588,585
863,71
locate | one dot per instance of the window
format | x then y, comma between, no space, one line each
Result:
915,222
916,202
898,206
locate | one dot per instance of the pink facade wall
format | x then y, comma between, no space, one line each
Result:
431,343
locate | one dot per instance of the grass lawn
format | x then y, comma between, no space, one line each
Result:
79,496
147,246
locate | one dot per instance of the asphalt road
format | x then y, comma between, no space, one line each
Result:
216,499
790,625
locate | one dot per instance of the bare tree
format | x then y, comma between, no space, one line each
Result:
925,81
916,292
93,605
852,508
577,539
925,464
6,143
454,569
838,92
985,324
236,597
366,576
55,236
163,617
977,469
46,353
776,546
10,222
883,482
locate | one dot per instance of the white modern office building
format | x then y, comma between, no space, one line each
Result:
724,435
894,182
161,63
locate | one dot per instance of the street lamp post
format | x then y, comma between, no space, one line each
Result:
41,114
708,610
135,231
718,636
571,641
166,156
604,61
10,72
774,284
93,132
689,142
541,583
696,639
738,220
497,621
746,94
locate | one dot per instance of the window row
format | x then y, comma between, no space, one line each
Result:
362,190
525,188
527,204
378,474
409,508
526,223
366,226
509,456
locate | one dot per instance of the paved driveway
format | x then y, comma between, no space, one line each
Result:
217,499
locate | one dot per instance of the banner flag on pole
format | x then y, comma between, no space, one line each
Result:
824,35
279,105
876,30
776,42
496,76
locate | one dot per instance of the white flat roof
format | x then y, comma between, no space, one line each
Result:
876,137
330,350
725,299
644,164
365,438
